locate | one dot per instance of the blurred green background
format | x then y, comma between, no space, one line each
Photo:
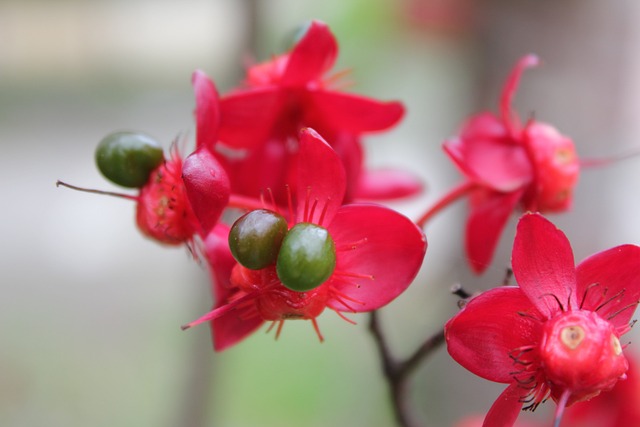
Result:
90,311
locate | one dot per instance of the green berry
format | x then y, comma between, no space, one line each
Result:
307,257
255,238
128,158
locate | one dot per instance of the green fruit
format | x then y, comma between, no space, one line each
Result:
255,238
128,158
307,257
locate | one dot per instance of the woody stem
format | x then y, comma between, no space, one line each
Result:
453,195
397,372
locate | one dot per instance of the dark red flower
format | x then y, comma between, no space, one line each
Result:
293,91
508,165
557,334
378,252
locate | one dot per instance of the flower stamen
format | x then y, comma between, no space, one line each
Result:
317,329
555,297
586,292
345,318
324,211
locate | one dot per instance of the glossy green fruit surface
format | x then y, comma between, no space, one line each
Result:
128,158
307,257
255,238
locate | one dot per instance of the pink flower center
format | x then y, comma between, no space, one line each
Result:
275,302
581,352
556,168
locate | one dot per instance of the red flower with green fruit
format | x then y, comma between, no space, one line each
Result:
349,258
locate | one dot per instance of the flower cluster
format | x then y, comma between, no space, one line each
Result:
281,157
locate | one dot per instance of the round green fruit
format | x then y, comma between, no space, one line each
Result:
255,238
128,158
307,257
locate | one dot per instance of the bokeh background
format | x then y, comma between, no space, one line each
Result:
90,310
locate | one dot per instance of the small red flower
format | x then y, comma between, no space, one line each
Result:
178,198
186,197
377,253
293,91
508,165
163,212
615,408
557,334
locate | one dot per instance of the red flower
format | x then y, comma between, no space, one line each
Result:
509,165
171,210
377,251
615,408
179,198
291,92
557,334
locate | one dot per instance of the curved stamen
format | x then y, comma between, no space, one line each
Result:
93,191
222,310
530,316
557,300
345,318
317,329
632,305
272,200
354,275
289,202
619,294
305,216
351,246
313,210
279,330
324,211
341,297
586,292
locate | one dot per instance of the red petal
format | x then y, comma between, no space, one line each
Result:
386,184
207,110
506,408
248,116
266,167
353,113
489,328
379,252
314,54
508,116
228,329
207,186
543,265
485,153
489,214
349,148
221,261
617,273
321,179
